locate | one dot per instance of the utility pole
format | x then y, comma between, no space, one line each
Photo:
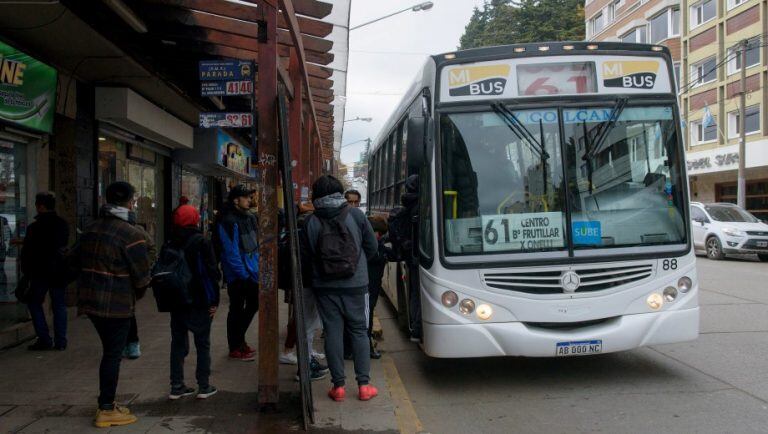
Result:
741,194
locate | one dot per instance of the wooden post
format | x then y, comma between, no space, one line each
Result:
294,121
268,301
306,163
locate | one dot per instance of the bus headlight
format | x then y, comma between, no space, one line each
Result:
684,284
655,301
670,293
467,306
484,312
449,299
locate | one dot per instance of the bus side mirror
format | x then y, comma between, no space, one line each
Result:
415,152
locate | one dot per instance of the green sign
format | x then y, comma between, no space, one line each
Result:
27,90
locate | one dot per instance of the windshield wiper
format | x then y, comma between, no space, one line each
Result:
603,133
519,129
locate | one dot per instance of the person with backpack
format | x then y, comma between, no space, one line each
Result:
376,274
339,241
44,243
114,272
191,252
239,246
403,234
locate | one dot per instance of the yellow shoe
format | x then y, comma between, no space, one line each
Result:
116,417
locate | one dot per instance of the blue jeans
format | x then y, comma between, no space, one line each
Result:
59,306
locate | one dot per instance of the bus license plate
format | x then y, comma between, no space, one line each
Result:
762,244
578,348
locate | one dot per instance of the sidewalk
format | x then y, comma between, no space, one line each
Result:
56,391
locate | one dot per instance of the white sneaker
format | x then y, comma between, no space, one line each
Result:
289,358
317,355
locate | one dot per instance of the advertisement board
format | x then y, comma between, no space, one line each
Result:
27,90
233,155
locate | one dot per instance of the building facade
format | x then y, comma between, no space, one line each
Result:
709,103
636,21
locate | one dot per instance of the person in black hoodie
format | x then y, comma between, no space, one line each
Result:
196,318
403,230
43,249
375,273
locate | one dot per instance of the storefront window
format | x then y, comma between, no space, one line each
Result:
194,188
13,227
120,161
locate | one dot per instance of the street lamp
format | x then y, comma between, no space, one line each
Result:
424,6
356,142
359,119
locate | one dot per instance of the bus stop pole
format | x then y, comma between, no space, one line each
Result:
268,301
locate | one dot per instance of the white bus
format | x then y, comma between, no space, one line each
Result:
553,215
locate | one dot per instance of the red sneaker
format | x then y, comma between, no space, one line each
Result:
337,393
242,356
247,349
367,392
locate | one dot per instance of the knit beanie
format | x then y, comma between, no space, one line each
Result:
186,215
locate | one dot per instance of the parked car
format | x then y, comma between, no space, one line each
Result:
721,229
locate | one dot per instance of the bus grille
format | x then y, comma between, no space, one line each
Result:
548,282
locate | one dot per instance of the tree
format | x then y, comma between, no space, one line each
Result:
502,22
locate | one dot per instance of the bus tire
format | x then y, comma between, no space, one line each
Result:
763,257
714,249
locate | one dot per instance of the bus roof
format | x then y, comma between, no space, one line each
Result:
552,49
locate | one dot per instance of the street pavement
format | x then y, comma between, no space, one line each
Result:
716,384
55,392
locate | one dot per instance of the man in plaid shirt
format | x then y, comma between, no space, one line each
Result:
114,271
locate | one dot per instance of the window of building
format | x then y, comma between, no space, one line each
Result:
734,56
756,195
637,35
596,23
702,12
665,25
733,3
751,121
704,71
701,134
676,66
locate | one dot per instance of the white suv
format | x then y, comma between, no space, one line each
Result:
720,229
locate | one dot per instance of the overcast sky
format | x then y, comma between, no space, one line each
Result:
385,57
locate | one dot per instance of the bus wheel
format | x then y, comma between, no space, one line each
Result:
763,257
714,249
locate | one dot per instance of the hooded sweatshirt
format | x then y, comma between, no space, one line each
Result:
330,207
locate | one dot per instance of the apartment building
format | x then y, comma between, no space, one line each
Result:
639,21
709,103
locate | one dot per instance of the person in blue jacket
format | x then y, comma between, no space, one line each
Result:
239,247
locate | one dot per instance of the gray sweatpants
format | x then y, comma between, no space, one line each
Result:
338,312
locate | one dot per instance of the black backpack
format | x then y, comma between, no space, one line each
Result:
400,231
336,252
171,277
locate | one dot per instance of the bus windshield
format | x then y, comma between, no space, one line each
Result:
511,179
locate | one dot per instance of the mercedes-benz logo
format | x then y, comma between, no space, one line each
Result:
570,281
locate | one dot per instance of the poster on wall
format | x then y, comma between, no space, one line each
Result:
27,90
233,155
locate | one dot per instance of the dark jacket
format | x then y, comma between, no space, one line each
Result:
239,245
114,265
42,253
377,264
358,225
198,251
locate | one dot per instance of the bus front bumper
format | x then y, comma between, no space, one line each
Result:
520,339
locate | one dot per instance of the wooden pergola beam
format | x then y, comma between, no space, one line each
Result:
290,15
313,8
